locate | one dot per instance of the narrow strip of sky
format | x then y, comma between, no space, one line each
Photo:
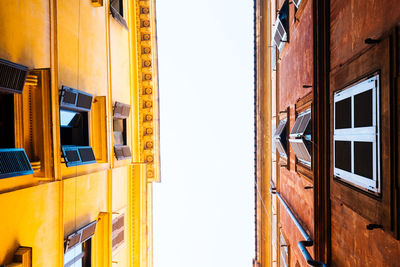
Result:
204,207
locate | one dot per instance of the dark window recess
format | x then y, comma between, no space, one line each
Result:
12,77
343,114
14,162
121,113
363,109
117,11
363,152
7,138
281,29
280,138
343,155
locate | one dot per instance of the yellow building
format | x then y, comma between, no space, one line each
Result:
79,132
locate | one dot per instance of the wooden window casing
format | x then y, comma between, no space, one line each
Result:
378,209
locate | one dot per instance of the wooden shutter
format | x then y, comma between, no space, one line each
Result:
118,231
76,100
116,9
122,152
12,77
121,110
80,236
14,162
78,155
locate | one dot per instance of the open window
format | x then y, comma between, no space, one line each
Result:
300,138
117,11
356,148
121,114
74,127
78,247
296,3
280,31
13,161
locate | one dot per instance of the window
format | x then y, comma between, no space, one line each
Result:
300,138
284,250
13,161
356,145
78,247
281,26
280,138
121,114
117,11
74,127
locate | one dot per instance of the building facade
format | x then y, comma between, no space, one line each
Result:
79,128
327,118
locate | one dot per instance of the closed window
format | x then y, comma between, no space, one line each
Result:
356,134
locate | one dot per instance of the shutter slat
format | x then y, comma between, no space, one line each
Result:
78,155
75,100
14,162
12,77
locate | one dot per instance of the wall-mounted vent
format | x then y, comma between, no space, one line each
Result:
78,155
14,162
76,100
80,236
122,152
118,229
121,111
12,77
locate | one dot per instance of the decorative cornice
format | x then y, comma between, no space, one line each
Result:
149,140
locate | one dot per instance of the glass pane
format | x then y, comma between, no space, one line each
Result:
68,118
343,114
363,109
343,155
363,152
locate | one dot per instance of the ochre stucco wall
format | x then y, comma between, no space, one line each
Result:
30,217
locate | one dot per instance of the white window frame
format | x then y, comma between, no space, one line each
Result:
300,138
360,134
277,140
297,3
282,38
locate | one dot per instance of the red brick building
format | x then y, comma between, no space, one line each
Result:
327,132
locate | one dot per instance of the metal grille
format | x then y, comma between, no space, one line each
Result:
12,76
72,155
69,97
14,162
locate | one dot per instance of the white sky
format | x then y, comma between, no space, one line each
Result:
204,206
